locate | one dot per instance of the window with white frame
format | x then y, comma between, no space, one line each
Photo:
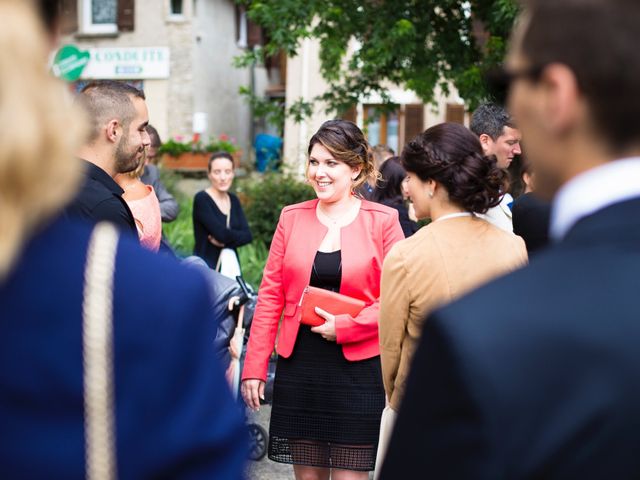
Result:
99,16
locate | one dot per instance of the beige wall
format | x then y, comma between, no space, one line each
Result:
202,45
304,80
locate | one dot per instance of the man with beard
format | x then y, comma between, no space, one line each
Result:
116,144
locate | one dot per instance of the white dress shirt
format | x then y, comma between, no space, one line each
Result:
500,215
593,190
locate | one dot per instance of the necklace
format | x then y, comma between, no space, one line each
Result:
334,220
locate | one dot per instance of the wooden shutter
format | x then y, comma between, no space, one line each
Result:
455,113
68,16
126,15
413,121
351,114
254,34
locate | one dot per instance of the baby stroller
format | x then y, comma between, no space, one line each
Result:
233,302
241,305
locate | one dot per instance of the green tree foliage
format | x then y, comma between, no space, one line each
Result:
420,44
264,199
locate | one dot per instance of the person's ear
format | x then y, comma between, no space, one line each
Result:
356,173
562,105
113,130
431,186
486,142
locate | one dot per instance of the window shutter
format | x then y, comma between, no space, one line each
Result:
68,16
126,15
254,34
413,121
455,113
350,114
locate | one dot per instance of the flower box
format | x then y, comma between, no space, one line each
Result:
193,155
193,161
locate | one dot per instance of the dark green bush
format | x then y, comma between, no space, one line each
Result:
264,197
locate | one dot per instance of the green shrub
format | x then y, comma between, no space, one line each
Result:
179,233
264,197
253,258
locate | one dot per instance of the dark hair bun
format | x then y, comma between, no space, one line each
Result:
476,183
452,156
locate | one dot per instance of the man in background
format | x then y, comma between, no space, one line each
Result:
498,136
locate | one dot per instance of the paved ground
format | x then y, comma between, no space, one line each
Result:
265,469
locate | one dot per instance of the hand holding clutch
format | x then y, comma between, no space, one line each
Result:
331,302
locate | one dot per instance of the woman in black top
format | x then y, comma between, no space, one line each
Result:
218,218
389,192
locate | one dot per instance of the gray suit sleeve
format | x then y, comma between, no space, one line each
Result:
169,208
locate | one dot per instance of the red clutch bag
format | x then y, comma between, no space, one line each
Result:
332,302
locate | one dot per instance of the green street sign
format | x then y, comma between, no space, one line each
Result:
70,62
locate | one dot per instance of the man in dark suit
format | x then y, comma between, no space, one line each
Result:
537,375
119,118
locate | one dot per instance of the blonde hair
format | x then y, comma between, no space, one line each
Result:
39,132
139,170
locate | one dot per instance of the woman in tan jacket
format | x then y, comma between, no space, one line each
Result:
449,181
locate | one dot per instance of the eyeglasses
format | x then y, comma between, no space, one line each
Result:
499,80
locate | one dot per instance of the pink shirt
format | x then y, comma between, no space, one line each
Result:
146,212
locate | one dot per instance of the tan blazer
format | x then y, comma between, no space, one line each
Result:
437,264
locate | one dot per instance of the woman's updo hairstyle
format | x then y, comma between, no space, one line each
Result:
346,143
452,156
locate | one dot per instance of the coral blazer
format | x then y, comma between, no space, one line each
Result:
364,244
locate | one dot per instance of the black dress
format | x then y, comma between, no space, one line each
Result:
326,409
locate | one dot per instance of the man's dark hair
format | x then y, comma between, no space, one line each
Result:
598,41
154,136
107,99
490,119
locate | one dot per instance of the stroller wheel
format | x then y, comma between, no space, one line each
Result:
258,442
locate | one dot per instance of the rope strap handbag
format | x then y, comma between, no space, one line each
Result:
97,353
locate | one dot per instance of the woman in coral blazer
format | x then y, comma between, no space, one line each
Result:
328,392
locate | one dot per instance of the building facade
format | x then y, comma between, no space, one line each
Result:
394,129
179,51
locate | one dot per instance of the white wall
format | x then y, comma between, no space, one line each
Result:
303,80
202,79
215,80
